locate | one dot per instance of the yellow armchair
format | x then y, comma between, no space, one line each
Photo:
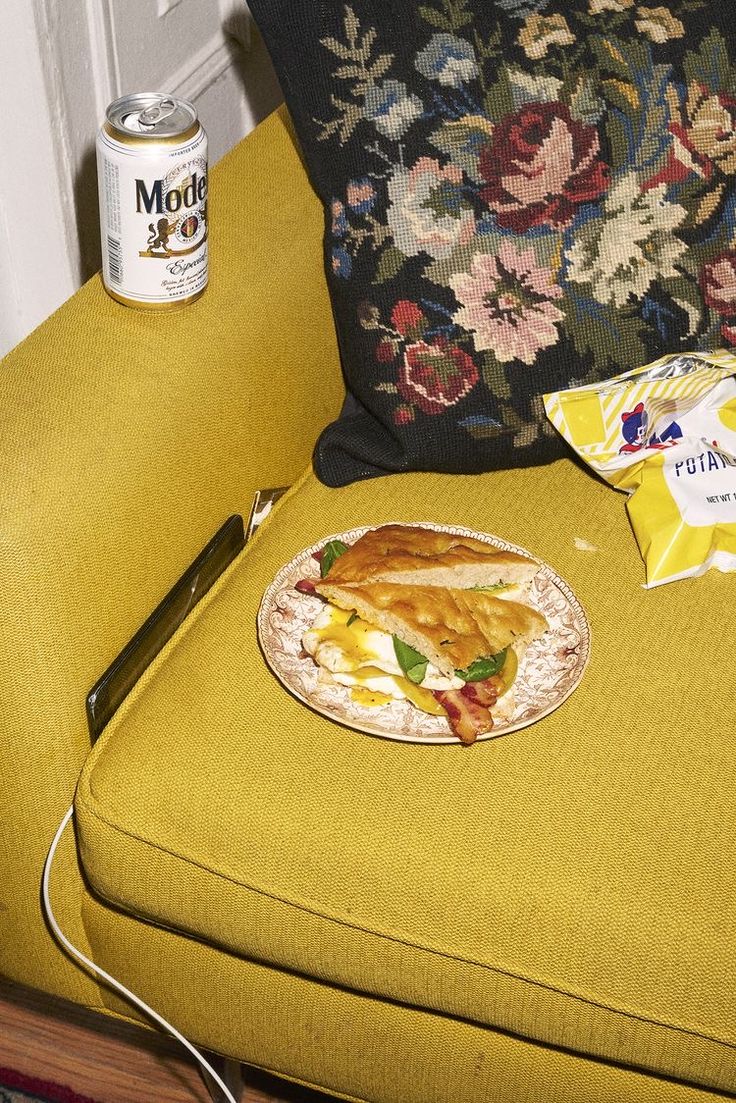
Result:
127,440
544,917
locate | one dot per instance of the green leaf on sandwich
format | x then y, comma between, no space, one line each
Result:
484,668
411,662
332,550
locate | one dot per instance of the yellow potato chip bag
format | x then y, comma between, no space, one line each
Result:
665,434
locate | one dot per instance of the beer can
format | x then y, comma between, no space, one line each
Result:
152,180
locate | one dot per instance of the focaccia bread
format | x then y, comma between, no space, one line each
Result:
424,557
450,627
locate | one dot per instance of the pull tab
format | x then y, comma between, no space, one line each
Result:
157,112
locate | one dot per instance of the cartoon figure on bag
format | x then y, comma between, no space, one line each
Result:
635,425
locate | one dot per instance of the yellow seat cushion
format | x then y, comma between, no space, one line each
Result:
573,883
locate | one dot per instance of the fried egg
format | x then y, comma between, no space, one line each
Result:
362,657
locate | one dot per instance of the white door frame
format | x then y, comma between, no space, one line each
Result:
59,58
33,186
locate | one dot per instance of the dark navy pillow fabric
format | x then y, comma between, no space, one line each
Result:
520,195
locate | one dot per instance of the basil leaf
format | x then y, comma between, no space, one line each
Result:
330,552
490,589
484,668
411,662
351,618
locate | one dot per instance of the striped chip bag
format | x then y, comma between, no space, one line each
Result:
666,435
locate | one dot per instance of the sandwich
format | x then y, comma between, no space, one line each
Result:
425,557
451,650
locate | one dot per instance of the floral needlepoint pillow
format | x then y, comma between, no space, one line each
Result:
520,195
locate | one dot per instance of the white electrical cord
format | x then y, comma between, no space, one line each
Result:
59,934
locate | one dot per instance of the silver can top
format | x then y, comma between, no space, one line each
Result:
153,115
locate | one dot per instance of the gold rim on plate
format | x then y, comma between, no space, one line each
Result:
551,669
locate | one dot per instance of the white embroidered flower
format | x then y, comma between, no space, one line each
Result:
428,210
630,245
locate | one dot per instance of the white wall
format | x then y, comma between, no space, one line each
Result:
61,63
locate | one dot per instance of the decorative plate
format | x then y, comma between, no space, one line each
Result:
551,669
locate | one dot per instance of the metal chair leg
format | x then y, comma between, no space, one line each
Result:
231,1073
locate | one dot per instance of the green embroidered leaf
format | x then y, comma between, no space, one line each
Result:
484,668
710,65
459,14
352,25
618,57
637,126
330,552
584,101
494,375
411,662
454,17
390,264
349,72
380,66
687,295
349,115
337,48
611,335
621,94
462,140
499,98
435,18
369,38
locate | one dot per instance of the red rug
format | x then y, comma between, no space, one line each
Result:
17,1088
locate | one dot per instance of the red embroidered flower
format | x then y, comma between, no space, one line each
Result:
718,281
406,315
540,165
403,415
435,376
385,352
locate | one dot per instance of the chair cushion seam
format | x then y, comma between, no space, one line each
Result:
351,925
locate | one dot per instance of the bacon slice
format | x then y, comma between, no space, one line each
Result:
468,709
467,718
305,586
484,693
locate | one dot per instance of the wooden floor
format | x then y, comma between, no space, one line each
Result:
111,1061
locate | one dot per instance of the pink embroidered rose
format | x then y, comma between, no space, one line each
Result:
540,165
435,376
718,281
507,302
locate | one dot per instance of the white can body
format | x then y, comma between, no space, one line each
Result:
153,218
